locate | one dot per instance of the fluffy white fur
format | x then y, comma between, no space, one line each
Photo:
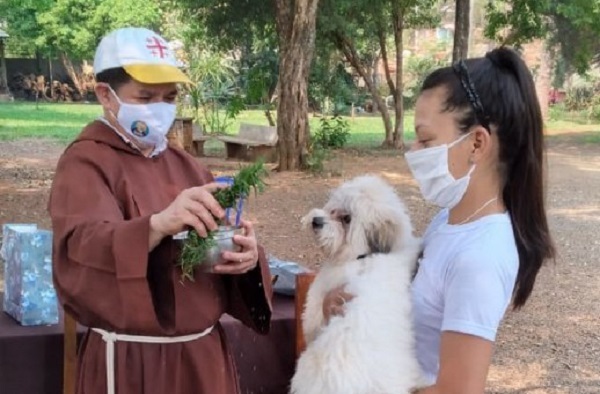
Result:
369,350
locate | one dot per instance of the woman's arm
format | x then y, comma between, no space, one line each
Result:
464,364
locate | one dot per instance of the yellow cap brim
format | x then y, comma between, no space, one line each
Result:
156,73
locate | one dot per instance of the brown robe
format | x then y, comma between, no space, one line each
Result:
102,197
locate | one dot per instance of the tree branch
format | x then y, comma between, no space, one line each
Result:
384,56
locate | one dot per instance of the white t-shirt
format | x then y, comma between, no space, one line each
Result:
464,282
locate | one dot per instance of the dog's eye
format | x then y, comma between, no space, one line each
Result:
346,219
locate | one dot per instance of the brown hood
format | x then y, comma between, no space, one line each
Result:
97,131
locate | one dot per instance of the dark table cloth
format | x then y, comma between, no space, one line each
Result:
31,358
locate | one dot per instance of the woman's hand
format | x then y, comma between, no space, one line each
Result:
244,260
195,207
335,302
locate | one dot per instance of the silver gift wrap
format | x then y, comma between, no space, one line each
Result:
29,295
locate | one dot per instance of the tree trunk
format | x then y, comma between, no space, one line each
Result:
398,135
3,79
347,48
372,71
384,56
462,25
70,68
296,25
272,97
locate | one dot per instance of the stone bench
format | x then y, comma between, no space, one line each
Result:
251,142
198,140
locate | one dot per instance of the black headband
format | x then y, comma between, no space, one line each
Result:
460,68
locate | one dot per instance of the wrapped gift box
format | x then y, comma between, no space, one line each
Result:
29,294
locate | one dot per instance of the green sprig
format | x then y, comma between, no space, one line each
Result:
195,248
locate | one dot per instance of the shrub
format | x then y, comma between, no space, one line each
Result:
316,158
417,68
333,133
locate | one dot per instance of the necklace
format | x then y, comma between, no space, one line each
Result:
478,210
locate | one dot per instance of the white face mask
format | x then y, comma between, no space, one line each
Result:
147,124
430,168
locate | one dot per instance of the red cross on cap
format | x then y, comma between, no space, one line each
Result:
157,47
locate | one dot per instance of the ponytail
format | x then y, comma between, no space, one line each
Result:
524,191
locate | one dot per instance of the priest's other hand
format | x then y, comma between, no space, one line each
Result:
195,207
244,260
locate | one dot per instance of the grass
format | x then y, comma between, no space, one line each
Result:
365,131
53,121
63,122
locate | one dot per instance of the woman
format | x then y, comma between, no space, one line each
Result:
119,196
479,156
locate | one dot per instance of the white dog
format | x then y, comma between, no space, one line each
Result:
368,236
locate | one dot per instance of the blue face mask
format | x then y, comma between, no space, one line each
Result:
430,168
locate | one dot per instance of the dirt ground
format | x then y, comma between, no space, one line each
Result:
551,346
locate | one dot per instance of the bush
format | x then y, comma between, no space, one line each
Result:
417,69
579,98
331,88
333,133
316,158
595,111
584,91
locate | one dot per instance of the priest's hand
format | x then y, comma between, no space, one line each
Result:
244,260
195,207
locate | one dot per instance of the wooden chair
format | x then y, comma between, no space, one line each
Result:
303,282
70,354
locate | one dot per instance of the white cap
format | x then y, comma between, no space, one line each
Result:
145,56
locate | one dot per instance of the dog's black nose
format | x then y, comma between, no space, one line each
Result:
318,222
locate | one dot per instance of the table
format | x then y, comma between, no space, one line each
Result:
31,357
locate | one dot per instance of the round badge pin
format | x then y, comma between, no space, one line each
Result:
139,128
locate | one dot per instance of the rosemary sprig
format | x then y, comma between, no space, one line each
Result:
195,248
247,179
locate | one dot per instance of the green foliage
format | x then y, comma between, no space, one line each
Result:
194,252
524,18
582,91
195,248
361,30
595,110
248,29
579,98
214,95
329,82
315,162
417,69
572,25
259,73
248,179
66,28
233,23
583,95
333,133
20,17
73,27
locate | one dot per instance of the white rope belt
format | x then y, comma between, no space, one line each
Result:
111,337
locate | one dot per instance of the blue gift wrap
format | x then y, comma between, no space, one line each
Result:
29,295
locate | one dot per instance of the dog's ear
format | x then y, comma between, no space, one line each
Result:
381,238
